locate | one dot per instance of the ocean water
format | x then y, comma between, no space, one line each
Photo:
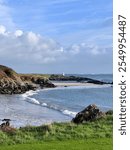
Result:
56,104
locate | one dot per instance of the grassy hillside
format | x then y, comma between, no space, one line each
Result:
9,74
45,76
96,135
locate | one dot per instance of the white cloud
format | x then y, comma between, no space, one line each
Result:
29,48
33,38
18,33
87,49
2,29
75,49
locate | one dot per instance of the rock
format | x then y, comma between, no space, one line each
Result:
55,77
90,113
7,123
109,112
14,83
33,81
8,129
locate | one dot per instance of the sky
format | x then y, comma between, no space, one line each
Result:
55,36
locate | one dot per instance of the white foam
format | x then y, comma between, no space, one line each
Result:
29,93
69,113
44,104
65,112
33,100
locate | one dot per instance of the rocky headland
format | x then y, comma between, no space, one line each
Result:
55,77
14,83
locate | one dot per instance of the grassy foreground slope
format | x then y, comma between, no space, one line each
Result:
96,135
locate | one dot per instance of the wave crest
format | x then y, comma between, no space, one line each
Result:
70,113
27,97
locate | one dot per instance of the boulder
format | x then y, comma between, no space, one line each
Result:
90,113
109,112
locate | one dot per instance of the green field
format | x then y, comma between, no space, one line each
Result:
96,135
90,144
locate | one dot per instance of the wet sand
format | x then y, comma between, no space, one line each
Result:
66,84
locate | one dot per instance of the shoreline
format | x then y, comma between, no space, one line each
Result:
48,115
72,84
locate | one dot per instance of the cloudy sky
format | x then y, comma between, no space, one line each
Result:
55,36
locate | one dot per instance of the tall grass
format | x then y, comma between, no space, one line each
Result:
101,128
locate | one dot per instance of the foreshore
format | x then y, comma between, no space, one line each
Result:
69,83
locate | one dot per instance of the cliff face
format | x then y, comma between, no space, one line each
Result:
13,83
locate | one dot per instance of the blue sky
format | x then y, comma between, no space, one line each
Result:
55,36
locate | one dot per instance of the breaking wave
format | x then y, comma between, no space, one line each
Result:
30,93
27,97
70,113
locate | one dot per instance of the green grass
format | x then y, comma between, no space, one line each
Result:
96,135
36,75
90,144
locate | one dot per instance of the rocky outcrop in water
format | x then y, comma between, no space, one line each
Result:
90,113
13,83
54,77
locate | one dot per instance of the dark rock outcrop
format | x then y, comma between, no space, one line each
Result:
55,77
109,112
33,81
90,113
13,83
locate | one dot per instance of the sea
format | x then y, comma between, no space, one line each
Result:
58,104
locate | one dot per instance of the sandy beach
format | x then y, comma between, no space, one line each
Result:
66,84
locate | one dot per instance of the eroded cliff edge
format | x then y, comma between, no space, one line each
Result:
14,83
